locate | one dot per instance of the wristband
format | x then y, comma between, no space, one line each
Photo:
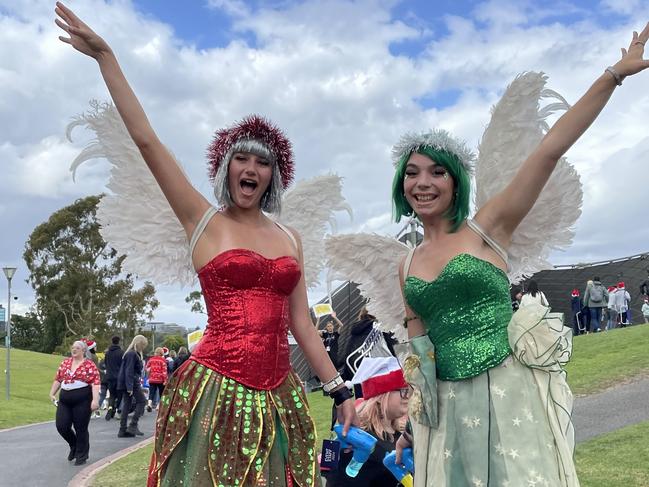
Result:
341,395
615,74
327,387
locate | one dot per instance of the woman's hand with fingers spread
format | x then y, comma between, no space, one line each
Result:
632,61
82,37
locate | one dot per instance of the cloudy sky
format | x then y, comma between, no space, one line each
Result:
343,78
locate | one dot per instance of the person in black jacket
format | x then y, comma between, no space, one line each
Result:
382,414
128,382
180,359
112,362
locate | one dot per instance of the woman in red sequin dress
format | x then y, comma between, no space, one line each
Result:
234,413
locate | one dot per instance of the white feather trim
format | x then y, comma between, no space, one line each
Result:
135,217
517,126
439,139
372,261
310,207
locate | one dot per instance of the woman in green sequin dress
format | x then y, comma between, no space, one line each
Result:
491,407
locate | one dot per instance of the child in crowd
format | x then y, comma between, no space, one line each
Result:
382,413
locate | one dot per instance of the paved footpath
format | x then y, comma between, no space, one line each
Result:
610,410
35,455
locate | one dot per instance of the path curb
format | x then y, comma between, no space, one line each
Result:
85,477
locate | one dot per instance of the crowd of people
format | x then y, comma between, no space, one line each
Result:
597,308
122,382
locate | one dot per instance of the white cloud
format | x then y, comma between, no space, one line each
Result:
324,71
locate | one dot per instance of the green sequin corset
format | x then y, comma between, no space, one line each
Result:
466,311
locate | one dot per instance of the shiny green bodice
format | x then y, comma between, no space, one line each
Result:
466,311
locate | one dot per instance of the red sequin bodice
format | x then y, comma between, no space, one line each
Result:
247,300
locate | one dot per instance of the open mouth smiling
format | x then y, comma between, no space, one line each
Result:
425,198
248,186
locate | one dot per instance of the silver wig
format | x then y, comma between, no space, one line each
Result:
271,201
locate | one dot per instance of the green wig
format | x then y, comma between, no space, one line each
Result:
459,211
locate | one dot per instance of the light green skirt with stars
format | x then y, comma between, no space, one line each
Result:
509,426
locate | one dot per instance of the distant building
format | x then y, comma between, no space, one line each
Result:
162,330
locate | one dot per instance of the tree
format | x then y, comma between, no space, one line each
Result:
26,331
196,300
174,342
78,281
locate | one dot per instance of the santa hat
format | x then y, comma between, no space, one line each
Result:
575,292
378,375
91,344
611,289
620,284
165,351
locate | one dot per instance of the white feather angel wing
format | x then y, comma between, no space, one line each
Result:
136,219
371,261
517,126
310,207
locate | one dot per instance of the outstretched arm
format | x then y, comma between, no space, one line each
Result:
187,203
502,214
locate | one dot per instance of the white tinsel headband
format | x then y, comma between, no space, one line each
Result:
437,139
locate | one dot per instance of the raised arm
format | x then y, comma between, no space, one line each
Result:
187,203
502,214
335,317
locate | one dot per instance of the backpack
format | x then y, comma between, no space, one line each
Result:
597,293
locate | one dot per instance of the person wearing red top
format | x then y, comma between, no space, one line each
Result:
156,367
78,380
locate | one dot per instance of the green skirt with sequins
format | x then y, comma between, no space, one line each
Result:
213,431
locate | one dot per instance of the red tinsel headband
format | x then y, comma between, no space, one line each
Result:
257,128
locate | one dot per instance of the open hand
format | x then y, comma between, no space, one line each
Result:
82,37
632,61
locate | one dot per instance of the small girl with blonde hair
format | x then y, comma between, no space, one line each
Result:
382,413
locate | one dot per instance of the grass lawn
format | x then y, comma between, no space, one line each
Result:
617,458
31,378
603,359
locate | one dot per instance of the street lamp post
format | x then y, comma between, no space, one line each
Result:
9,273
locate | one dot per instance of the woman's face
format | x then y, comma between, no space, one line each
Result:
248,179
397,405
76,351
427,186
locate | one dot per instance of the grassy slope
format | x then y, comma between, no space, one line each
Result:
31,378
603,359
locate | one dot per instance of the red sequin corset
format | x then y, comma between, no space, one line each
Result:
247,299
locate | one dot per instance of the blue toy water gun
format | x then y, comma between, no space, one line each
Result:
360,442
402,472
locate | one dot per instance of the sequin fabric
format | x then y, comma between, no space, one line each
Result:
466,311
235,414
246,296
